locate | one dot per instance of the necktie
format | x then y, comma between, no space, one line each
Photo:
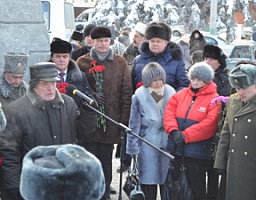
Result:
62,74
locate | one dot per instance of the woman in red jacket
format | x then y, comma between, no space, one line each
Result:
192,120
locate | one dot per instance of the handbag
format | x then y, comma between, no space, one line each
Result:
132,185
179,189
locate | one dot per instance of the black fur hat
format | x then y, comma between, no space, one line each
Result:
158,30
60,46
61,172
100,32
87,29
212,51
77,36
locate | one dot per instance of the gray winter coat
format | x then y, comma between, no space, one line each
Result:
146,120
32,122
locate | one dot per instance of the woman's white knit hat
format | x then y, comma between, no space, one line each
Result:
202,71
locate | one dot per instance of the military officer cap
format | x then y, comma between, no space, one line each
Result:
243,76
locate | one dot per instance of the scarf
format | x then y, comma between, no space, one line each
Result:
102,56
157,95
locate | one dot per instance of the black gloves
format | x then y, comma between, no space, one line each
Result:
85,105
178,137
99,97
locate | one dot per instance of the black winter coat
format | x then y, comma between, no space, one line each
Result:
221,80
33,122
80,52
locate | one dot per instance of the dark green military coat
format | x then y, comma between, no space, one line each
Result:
237,149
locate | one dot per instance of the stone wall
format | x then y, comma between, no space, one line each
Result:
22,29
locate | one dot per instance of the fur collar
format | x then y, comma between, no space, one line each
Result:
94,56
37,101
74,73
172,48
145,96
6,89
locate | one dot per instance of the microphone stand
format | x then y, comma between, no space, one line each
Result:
126,129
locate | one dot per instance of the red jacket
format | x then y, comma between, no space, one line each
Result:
202,112
194,115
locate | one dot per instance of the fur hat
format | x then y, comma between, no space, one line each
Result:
158,30
60,46
202,71
100,32
212,51
242,76
15,62
151,72
77,36
87,29
61,172
44,71
141,28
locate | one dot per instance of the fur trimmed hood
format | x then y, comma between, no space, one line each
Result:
61,172
173,49
192,37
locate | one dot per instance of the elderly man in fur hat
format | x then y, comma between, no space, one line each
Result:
43,116
236,150
160,49
70,73
12,85
113,92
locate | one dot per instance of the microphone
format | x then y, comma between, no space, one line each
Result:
72,89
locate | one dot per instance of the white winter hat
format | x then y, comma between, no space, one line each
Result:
202,71
140,27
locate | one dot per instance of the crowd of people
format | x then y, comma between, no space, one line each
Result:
54,145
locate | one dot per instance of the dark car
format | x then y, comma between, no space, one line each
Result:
246,51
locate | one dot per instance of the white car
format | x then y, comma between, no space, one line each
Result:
220,42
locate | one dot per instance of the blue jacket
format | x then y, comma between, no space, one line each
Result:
146,120
170,59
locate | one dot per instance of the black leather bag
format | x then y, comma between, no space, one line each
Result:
131,186
137,194
179,189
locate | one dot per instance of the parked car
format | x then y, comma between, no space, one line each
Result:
242,51
85,17
218,41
